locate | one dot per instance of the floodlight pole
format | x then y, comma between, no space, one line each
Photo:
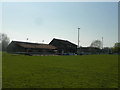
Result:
78,36
102,42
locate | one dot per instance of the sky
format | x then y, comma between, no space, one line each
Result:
42,21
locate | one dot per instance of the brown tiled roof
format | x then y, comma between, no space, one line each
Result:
32,45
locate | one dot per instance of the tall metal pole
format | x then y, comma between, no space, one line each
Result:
102,42
78,37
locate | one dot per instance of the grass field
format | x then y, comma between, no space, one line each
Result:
86,71
0,70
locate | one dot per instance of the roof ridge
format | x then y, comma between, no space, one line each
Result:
28,42
64,41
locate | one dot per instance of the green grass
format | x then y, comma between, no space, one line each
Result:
0,69
87,71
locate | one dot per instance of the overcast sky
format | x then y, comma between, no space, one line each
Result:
40,21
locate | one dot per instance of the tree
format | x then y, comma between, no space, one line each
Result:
116,48
4,41
96,43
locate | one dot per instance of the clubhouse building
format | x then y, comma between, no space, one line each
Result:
56,46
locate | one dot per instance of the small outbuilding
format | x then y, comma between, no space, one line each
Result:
88,50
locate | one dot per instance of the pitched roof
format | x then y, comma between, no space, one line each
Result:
34,45
62,41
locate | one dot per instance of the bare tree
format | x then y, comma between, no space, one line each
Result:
96,43
4,41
